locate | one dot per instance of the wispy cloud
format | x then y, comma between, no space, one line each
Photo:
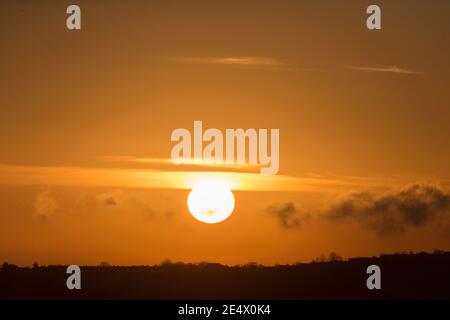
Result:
391,69
44,205
395,211
287,214
163,179
133,159
243,61
194,164
170,179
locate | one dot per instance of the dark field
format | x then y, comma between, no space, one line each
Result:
403,276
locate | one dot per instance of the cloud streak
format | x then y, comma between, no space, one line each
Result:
242,61
391,69
166,179
191,164
185,179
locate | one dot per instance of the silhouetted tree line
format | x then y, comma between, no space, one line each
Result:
331,257
403,276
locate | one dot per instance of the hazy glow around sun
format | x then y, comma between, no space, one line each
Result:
210,201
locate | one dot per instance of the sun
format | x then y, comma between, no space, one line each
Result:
210,201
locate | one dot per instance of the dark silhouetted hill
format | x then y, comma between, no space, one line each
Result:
403,276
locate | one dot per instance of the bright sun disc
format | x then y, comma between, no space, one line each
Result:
210,202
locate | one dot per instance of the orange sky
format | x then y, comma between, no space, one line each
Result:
358,111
